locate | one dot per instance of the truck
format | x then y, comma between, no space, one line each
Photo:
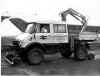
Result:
45,37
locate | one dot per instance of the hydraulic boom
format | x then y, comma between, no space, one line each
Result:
76,15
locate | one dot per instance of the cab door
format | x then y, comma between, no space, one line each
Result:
43,33
59,33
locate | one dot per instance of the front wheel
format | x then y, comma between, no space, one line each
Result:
35,56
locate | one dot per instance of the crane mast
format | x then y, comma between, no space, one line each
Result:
76,15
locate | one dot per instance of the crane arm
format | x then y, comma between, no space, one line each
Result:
76,15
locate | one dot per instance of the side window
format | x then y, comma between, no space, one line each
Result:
59,28
30,29
43,28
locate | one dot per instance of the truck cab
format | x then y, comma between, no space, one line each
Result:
44,33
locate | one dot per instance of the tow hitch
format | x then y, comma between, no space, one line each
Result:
12,59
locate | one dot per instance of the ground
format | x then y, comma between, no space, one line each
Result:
56,65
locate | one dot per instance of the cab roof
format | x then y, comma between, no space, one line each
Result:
49,22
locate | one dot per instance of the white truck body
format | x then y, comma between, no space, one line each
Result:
51,37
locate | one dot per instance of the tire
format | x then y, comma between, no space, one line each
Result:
81,53
91,56
66,53
35,56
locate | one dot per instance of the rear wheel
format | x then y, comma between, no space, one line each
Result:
81,53
66,52
35,56
91,56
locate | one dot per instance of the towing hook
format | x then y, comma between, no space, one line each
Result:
9,61
13,61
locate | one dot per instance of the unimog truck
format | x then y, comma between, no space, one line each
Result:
47,37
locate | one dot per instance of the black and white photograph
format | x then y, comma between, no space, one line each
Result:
50,37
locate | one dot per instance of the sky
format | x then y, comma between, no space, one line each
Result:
50,9
31,10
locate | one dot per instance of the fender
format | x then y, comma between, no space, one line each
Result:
33,44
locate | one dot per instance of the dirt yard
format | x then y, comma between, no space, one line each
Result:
56,65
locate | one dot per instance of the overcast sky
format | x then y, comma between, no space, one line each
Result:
50,9
31,10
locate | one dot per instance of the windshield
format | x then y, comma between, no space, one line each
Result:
30,29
